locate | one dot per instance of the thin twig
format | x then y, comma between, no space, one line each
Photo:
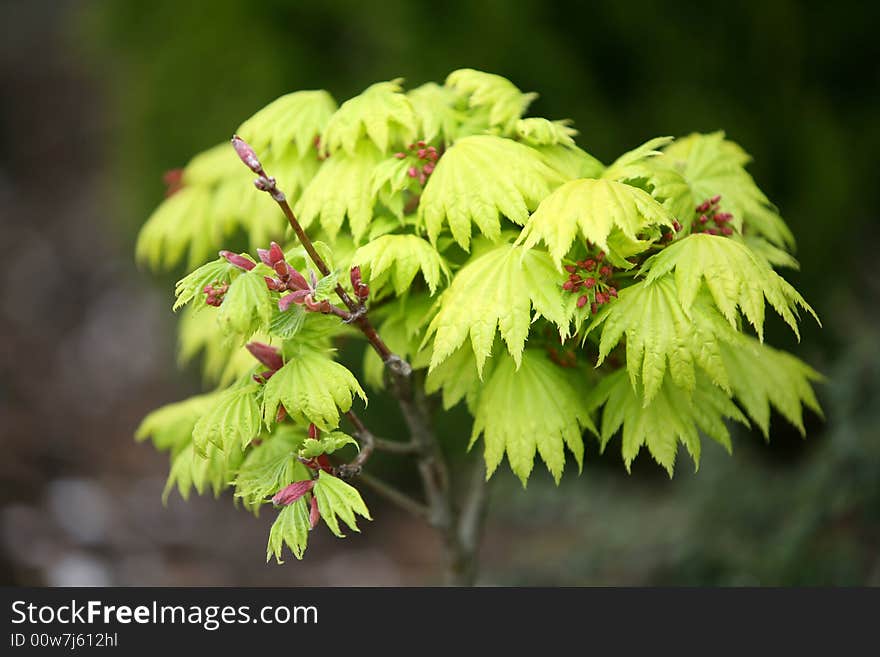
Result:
390,493
395,446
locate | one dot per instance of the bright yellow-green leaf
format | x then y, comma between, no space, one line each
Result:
212,470
533,406
479,179
382,113
543,132
270,466
496,290
342,188
171,426
498,96
232,421
247,306
293,120
762,376
399,258
661,334
733,274
672,416
593,209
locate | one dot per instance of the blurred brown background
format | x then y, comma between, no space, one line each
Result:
99,98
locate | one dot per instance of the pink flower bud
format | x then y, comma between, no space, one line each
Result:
247,154
290,494
703,207
355,276
421,153
428,169
675,225
568,286
589,264
605,271
412,172
703,218
593,308
727,230
421,144
612,291
590,282
712,231
297,281
266,354
400,156
314,513
238,260
715,199
582,301
571,269
281,269
601,298
273,283
362,291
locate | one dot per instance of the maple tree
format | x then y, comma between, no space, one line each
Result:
485,259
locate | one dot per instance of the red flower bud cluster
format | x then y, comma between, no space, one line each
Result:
591,279
361,289
426,157
268,356
710,210
214,293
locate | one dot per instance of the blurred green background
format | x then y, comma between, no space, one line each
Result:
102,98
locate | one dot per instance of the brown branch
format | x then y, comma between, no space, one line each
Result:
399,498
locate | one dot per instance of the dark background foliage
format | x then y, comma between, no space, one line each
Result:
100,98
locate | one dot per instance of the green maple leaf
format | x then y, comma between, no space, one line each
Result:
712,165
595,210
399,258
382,114
312,388
270,466
338,500
248,305
736,278
479,179
498,97
496,290
232,421
672,416
294,120
290,528
761,377
341,188
170,427
661,335
530,407
190,470
543,132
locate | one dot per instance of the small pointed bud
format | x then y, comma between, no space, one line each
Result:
400,156
314,432
281,414
297,281
362,291
727,230
266,354
264,256
590,282
290,494
582,301
715,199
276,254
281,269
238,260
273,283
247,154
412,172
355,276
298,298
571,269
324,463
314,513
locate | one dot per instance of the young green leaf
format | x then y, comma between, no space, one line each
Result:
671,417
382,114
290,528
192,286
736,278
435,109
287,323
497,289
593,208
171,426
542,132
457,377
248,305
534,406
479,179
312,388
326,444
571,162
399,258
233,420
190,469
336,499
270,466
